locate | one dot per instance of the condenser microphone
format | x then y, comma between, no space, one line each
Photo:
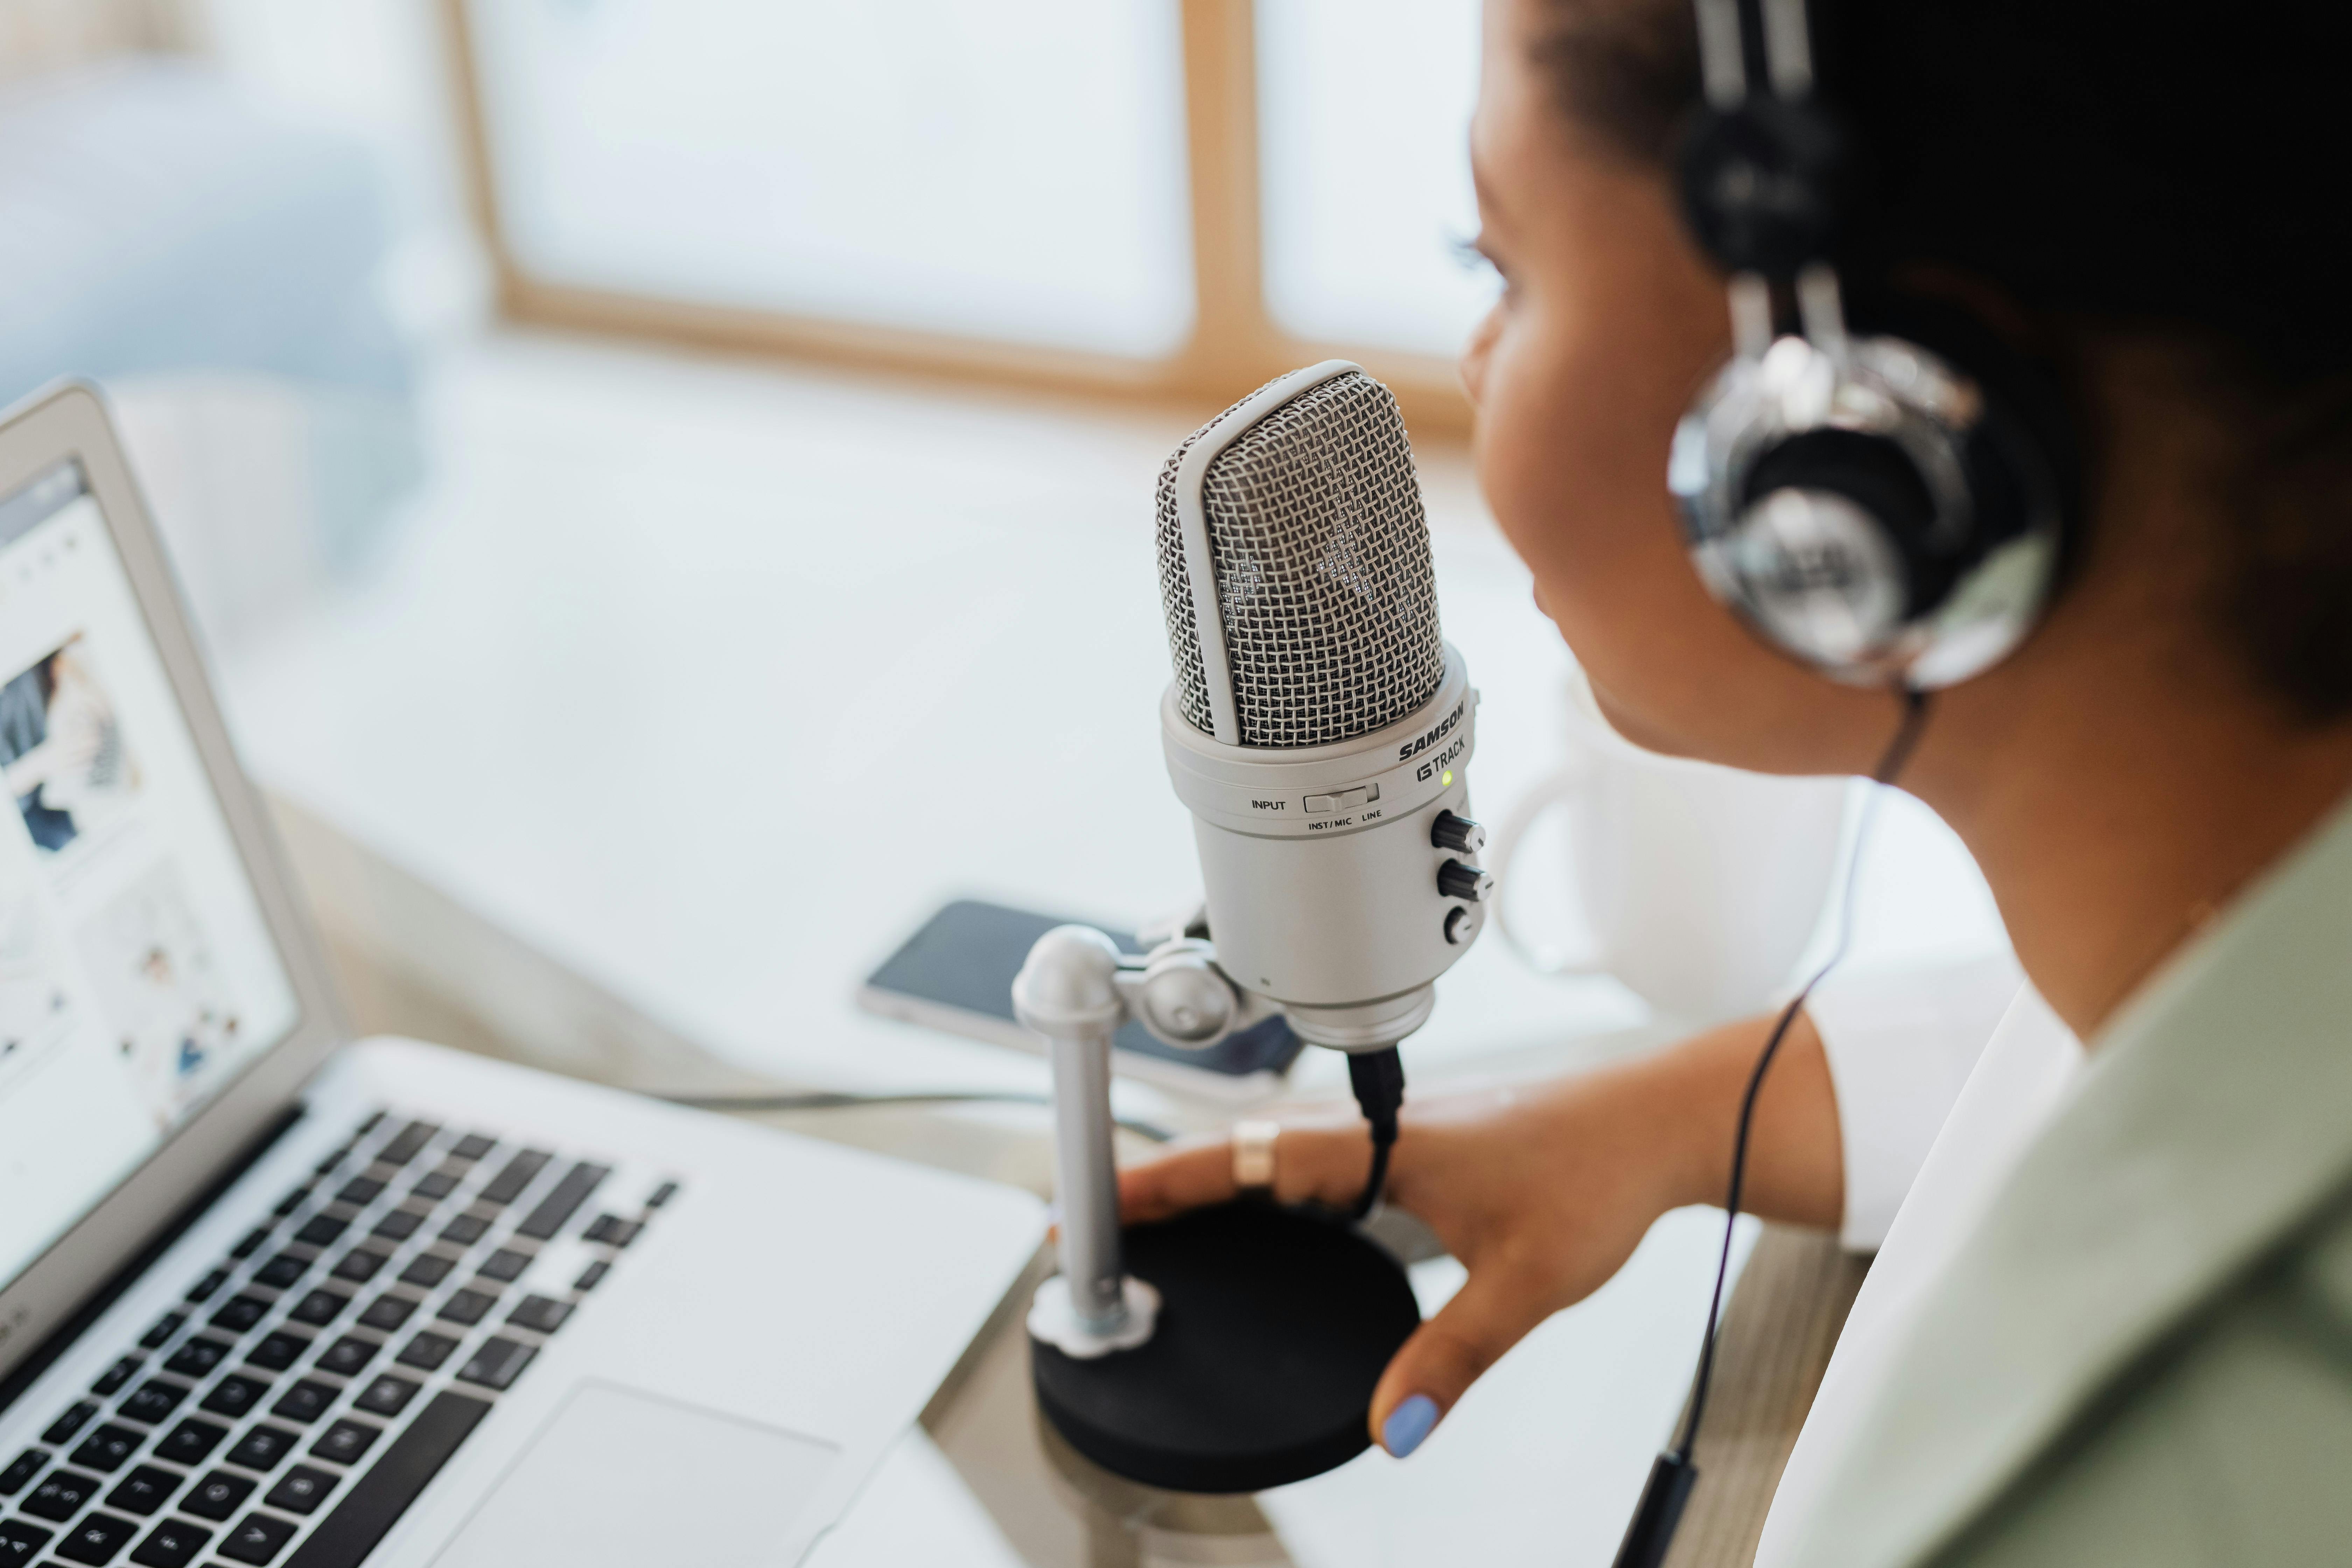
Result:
1318,727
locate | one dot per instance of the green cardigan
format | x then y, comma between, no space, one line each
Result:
2143,1353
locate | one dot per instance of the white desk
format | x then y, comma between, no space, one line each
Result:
712,681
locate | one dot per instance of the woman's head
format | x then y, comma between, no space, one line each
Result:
2080,188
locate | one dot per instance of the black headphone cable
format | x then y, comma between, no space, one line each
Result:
1652,1529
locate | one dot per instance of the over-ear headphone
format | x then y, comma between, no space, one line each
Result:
1891,509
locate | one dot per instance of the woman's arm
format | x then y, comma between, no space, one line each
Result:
1543,1190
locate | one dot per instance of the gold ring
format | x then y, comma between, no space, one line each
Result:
1253,1154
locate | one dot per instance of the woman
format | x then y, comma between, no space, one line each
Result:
2123,1330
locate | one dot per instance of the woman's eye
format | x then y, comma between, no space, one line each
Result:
1470,253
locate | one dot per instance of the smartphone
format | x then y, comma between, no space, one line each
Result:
956,974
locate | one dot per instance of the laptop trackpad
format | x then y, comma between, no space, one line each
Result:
619,1477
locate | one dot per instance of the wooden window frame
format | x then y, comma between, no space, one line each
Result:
1234,345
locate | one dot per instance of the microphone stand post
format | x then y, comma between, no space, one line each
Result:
1066,992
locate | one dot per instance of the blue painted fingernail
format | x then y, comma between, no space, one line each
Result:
1408,1424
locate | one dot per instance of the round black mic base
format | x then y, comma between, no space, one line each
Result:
1274,1327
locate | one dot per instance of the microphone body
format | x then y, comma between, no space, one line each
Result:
1319,729
1320,869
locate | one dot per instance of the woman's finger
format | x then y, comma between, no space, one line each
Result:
1492,1312
1311,1164
1187,1178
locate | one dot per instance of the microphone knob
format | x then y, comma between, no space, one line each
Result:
1452,832
1456,880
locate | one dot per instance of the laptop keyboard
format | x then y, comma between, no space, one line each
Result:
310,1384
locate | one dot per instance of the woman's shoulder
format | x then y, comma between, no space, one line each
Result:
2224,1442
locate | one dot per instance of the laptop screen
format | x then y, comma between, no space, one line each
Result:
137,976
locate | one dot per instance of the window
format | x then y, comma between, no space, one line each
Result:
1166,196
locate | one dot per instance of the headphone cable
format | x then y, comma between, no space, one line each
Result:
1671,1478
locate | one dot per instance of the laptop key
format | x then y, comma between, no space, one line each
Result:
144,1490
155,1338
662,1195
190,1442
20,1542
506,1265
218,1496
25,1466
322,1230
540,1314
360,1192
498,1364
97,1539
111,1381
258,1537
302,1489
305,1402
106,1448
473,1146
377,1499
197,1357
347,1356
388,1312
345,1441
557,1208
466,1230
278,1351
239,1313
234,1394
360,1265
433,1188
320,1308
387,1396
592,1275
60,1495
399,1224
428,1269
291,1201
76,1417
171,1544
612,1230
282,1271
254,1240
467,1307
261,1448
520,1173
407,1145
152,1401
427,1351
206,1289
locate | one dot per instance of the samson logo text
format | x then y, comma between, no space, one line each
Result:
1445,728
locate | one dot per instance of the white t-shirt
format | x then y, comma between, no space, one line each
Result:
1899,1047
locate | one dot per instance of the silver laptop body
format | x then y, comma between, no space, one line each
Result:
269,1296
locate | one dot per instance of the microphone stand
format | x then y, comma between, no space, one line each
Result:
1231,1348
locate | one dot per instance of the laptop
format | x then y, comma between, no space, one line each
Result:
272,1296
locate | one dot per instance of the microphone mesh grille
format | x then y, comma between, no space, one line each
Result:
1323,570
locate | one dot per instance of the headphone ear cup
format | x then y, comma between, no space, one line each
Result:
1874,512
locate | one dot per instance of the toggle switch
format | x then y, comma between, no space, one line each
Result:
1342,800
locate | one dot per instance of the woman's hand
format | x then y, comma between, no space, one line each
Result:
1542,1191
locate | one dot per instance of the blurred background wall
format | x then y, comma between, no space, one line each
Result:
254,220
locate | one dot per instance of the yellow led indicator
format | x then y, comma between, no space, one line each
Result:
1448,780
